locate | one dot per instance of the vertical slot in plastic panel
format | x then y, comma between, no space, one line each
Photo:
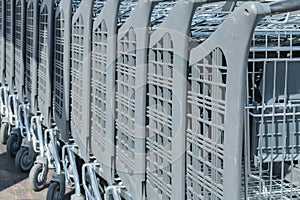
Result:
44,86
9,44
216,99
2,40
31,53
103,86
19,47
167,74
272,123
80,76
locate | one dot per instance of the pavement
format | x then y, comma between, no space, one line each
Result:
14,184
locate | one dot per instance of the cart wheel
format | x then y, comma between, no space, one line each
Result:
23,160
55,192
4,132
38,177
13,145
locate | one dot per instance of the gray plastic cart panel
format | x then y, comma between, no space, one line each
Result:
131,68
167,75
206,110
205,133
9,43
103,87
61,72
19,52
45,61
2,41
80,76
32,24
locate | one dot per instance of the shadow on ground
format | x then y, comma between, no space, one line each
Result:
15,184
9,175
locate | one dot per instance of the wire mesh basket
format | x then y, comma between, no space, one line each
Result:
272,111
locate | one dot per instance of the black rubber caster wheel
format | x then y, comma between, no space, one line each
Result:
38,176
24,161
13,145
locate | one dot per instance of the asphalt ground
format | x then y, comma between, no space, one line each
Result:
15,184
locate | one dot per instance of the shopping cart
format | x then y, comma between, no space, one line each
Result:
131,88
7,66
15,137
26,156
61,101
44,120
214,160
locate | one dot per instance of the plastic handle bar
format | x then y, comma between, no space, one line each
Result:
284,6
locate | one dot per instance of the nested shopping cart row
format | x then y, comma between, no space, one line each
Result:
152,99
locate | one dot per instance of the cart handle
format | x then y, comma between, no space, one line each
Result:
284,6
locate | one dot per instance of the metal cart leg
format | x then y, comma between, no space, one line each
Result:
26,155
20,131
38,173
68,159
4,91
56,189
89,181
